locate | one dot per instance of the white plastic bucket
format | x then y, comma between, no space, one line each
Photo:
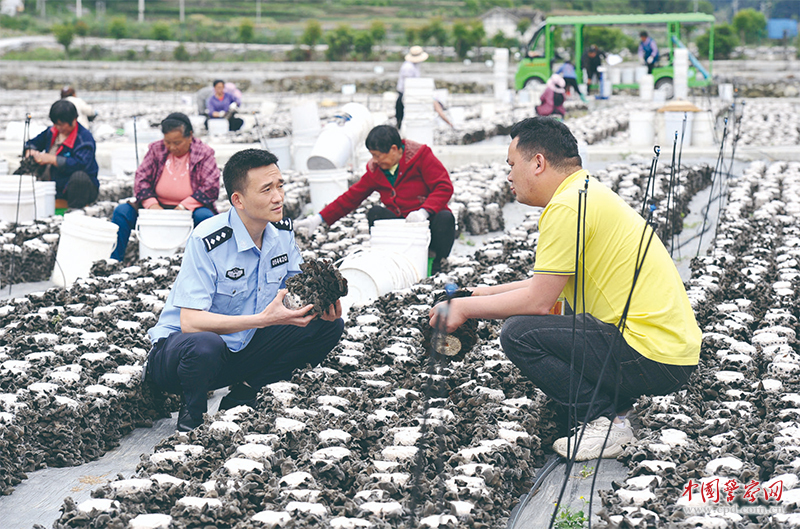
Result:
17,201
408,238
726,92
123,160
702,130
615,75
420,131
162,232
218,126
83,241
302,146
627,75
45,199
3,166
145,134
282,148
326,186
331,150
639,72
373,273
673,122
646,87
305,118
641,126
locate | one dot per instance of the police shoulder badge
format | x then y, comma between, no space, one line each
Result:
217,238
285,224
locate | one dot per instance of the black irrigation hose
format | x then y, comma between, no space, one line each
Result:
437,340
670,205
677,170
543,473
717,171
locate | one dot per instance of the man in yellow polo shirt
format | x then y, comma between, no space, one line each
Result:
659,344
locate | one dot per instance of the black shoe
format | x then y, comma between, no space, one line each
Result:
187,423
240,395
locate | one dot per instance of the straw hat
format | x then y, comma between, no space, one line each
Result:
416,54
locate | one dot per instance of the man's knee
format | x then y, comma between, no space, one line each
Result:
207,347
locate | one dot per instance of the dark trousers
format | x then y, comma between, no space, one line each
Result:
572,83
78,190
125,216
442,226
193,364
399,109
540,346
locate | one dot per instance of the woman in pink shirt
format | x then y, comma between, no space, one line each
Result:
178,172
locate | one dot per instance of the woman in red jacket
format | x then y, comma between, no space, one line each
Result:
412,183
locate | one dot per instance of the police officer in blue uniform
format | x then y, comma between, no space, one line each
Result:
224,323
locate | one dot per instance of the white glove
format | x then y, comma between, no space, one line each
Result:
310,223
420,215
233,106
650,60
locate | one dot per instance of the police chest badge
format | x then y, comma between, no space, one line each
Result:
281,259
234,273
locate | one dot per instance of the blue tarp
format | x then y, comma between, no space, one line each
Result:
778,28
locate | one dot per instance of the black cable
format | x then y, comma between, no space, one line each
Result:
670,206
651,177
136,142
717,168
677,172
438,341
580,278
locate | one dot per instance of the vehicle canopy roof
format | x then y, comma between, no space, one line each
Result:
660,18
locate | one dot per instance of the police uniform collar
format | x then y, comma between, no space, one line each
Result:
243,240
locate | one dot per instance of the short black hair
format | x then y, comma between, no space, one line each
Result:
235,172
382,137
217,81
177,120
63,111
642,33
549,137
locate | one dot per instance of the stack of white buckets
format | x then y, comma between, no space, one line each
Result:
680,79
419,117
24,199
396,259
305,131
500,59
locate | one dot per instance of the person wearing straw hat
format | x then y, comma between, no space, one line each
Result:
65,153
410,68
178,172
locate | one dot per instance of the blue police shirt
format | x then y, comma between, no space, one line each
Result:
225,273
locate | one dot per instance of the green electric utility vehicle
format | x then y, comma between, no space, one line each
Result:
539,59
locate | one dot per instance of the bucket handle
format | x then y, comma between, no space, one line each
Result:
165,248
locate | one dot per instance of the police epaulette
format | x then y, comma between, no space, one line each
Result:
285,224
217,238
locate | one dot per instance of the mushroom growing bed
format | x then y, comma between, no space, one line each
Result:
378,435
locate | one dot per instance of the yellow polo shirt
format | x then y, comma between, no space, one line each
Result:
660,323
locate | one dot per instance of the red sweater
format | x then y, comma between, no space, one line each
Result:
422,182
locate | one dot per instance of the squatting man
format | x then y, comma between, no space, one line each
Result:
659,345
224,322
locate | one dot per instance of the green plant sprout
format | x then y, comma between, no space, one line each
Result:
568,518
586,471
